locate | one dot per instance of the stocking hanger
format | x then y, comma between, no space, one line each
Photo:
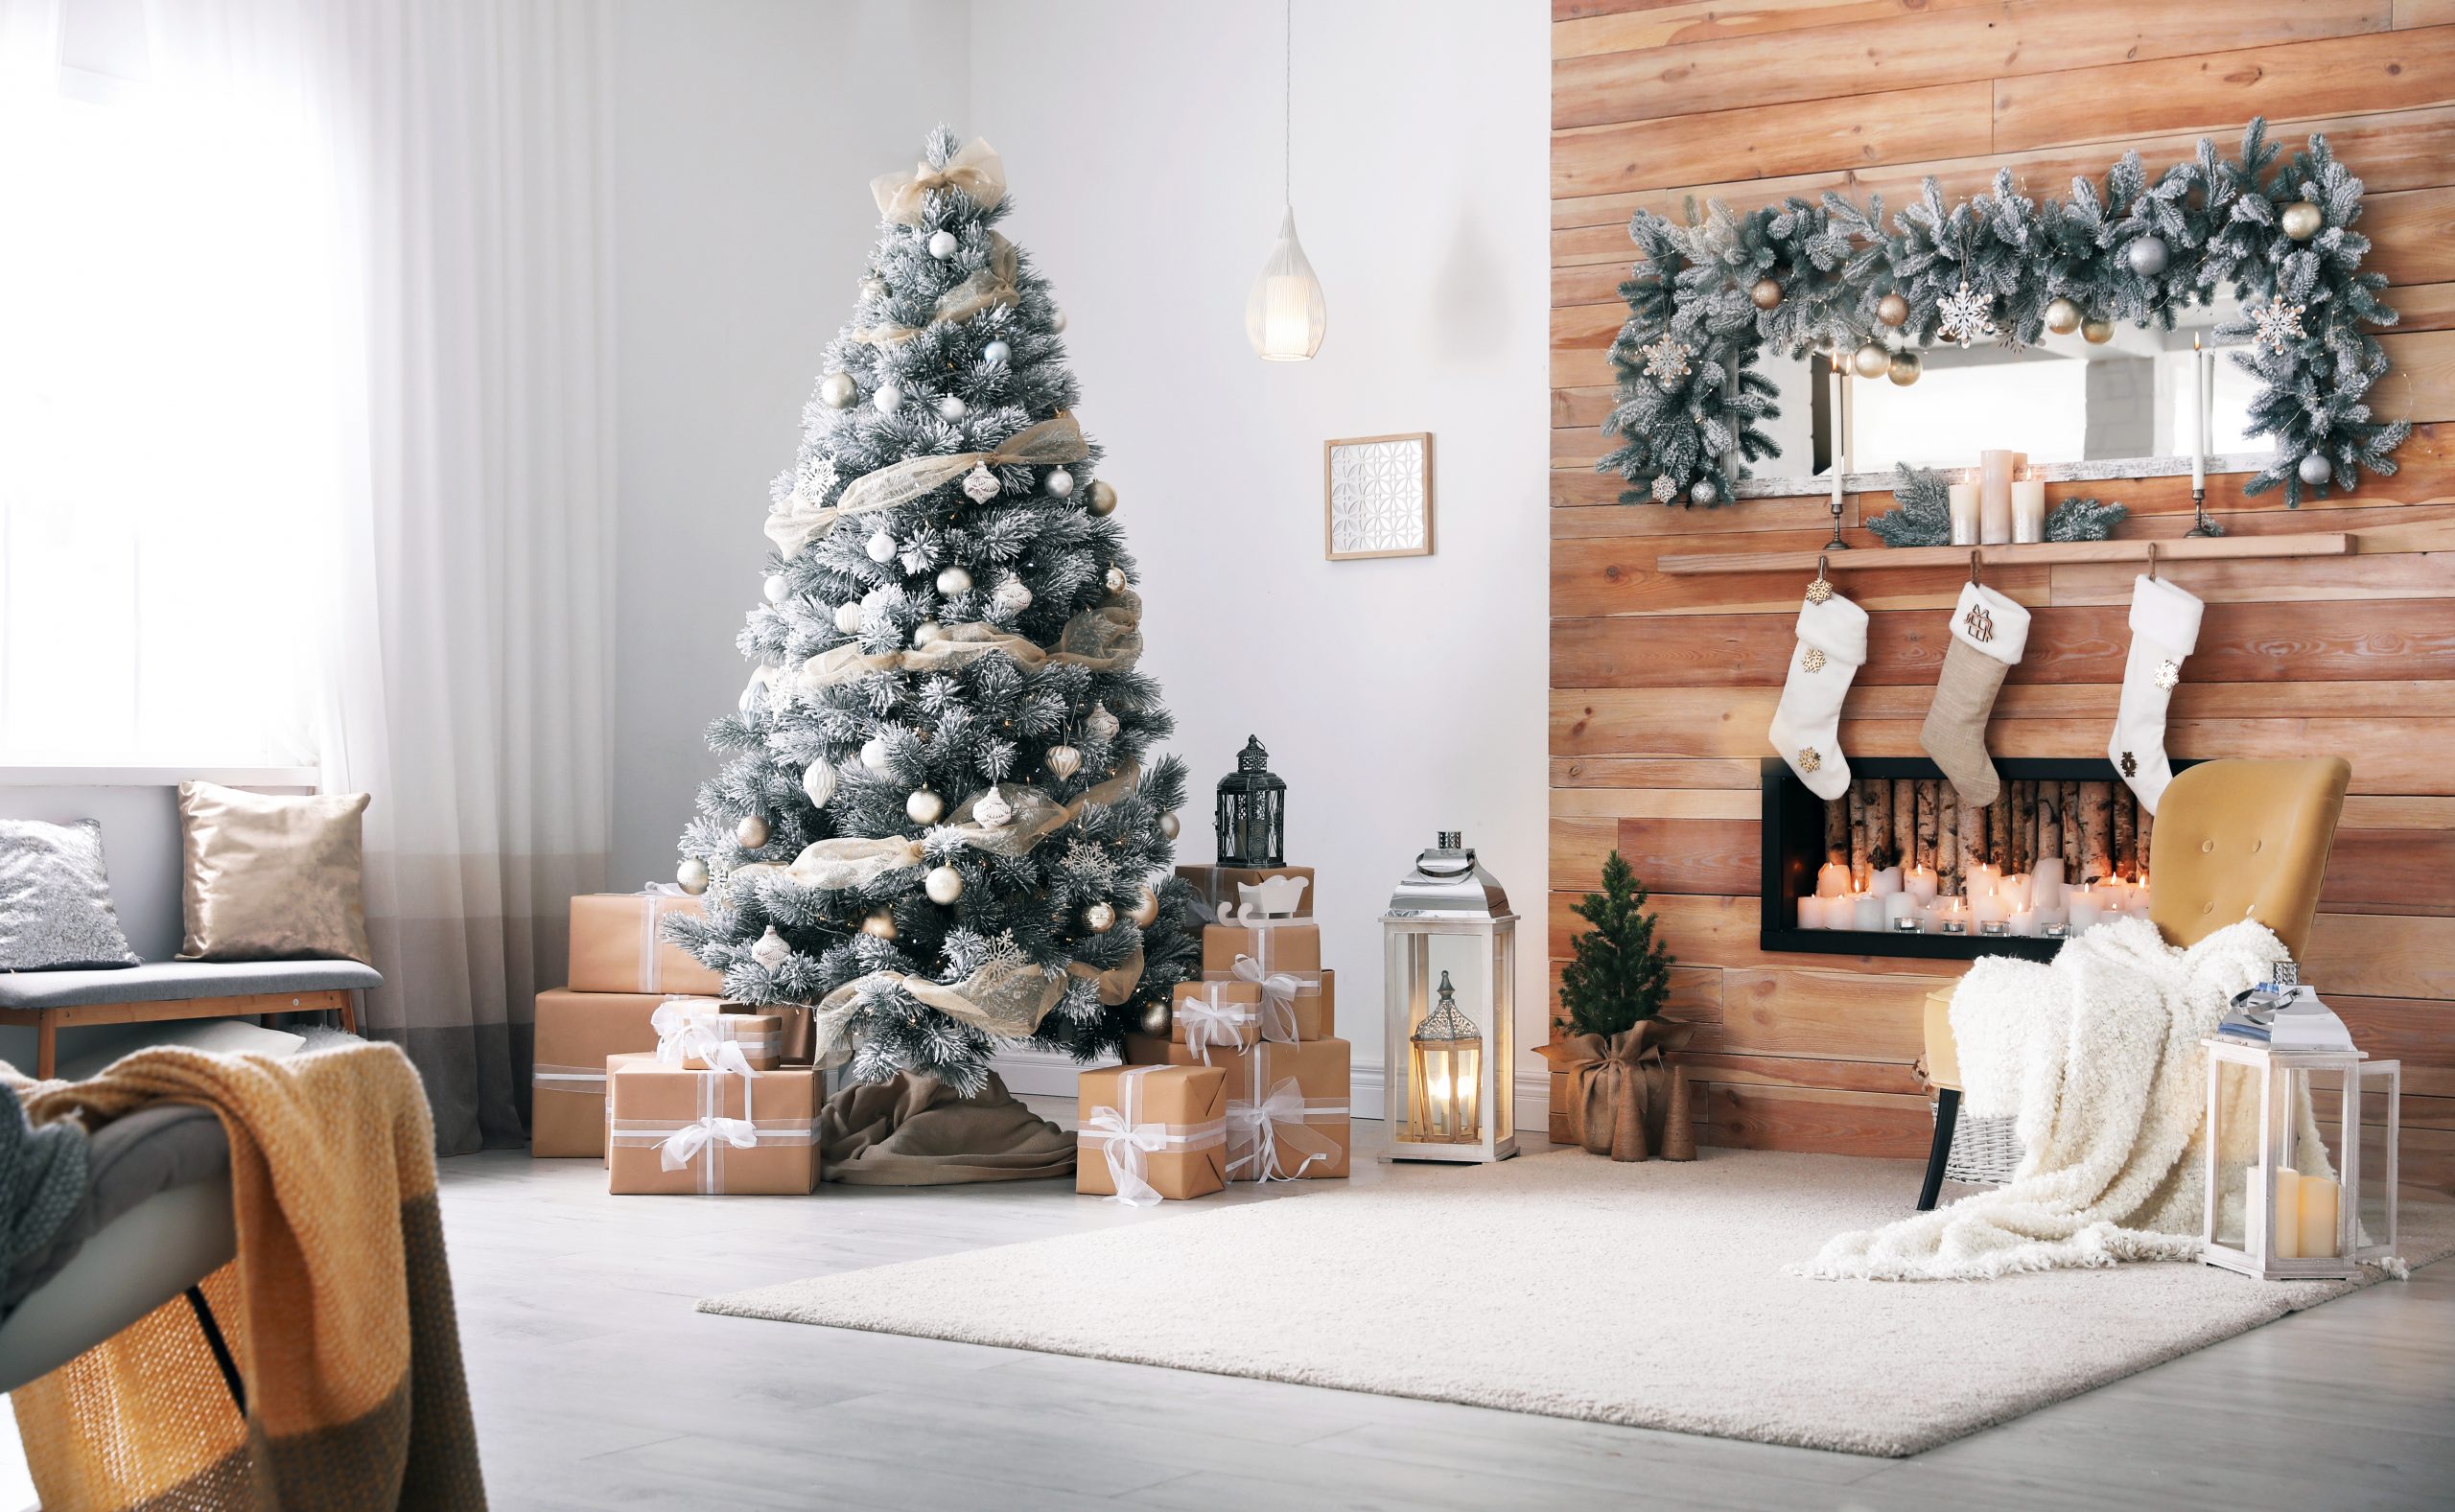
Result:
1974,581
2151,560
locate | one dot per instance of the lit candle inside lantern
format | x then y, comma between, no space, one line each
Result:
2028,509
2286,1206
1919,882
1833,880
2316,1207
1885,883
1866,911
1964,510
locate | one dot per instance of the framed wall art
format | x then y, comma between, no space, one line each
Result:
1377,496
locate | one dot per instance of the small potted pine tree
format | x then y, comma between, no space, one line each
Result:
1624,1097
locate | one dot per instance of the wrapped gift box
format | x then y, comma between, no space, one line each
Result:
1314,1010
575,1032
1288,1107
712,1133
619,946
1217,884
688,1029
1293,947
1182,1109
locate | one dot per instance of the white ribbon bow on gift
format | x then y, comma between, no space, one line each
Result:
1128,1147
1279,998
683,1035
1210,1022
679,1149
1252,1125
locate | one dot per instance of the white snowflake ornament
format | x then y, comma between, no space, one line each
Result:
1666,361
814,477
980,485
2275,326
1965,317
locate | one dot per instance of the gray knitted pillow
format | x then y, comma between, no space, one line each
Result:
56,899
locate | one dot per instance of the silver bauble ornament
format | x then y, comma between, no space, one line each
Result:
1064,761
942,244
1100,917
692,874
873,754
1059,483
880,546
950,408
1057,320
837,390
2146,256
928,632
1870,360
924,807
943,884
992,811
953,580
888,399
1114,578
1892,310
751,833
2302,220
1170,826
879,925
1766,293
1101,723
2097,330
996,352
771,951
1704,492
1102,499
1158,1018
848,618
2062,315
1903,368
776,588
2313,468
818,782
1146,907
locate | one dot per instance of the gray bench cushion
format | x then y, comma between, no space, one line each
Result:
169,981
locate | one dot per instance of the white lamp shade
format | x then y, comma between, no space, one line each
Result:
1285,315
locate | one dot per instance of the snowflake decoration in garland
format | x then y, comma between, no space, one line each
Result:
2277,325
1964,315
1666,361
1091,861
1664,489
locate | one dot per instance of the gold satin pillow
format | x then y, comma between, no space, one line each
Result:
271,878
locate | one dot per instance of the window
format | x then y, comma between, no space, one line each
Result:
167,429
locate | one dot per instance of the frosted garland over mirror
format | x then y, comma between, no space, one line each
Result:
2002,272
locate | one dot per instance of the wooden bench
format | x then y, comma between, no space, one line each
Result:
50,1001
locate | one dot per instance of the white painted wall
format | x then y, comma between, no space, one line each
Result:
1142,142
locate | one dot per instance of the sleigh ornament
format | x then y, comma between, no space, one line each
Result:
1272,897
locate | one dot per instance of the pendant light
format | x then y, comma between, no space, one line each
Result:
1285,315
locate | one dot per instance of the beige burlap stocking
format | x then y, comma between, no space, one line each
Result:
1988,633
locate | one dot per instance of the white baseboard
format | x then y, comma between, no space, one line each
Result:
1046,1072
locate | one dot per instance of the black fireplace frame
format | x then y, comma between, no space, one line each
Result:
1792,835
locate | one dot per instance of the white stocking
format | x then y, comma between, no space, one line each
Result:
1807,724
2164,629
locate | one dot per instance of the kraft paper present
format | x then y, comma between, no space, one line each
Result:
673,1131
1293,947
690,1029
619,946
1315,1004
1288,1105
575,1032
1215,885
1221,1015
1159,1132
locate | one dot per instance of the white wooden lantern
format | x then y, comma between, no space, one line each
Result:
2300,1184
1448,989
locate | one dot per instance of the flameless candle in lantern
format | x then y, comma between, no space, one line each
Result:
1252,811
1449,982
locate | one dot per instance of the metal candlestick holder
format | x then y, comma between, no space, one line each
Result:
2201,526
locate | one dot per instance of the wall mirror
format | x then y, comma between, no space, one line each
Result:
2061,327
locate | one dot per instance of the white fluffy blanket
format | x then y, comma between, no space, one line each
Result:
2098,1056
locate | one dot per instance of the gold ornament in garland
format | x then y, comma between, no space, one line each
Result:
2302,220
1100,917
1766,293
1892,310
2097,330
1903,368
2062,317
1870,361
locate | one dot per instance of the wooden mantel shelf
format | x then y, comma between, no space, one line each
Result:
2040,553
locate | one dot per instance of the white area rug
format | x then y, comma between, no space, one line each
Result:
1652,1294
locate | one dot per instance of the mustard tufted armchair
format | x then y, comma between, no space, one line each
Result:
2234,840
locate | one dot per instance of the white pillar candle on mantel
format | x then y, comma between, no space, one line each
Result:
2198,417
1866,911
1833,879
1964,508
1919,882
2013,890
2027,923
1995,470
1982,880
1885,883
2028,509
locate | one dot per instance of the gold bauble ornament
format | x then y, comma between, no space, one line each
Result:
1064,761
1892,310
879,925
1115,579
2302,220
2062,315
1170,826
943,884
1100,917
1146,907
1766,293
1102,499
693,875
1904,367
752,832
2097,330
1870,360
1156,1018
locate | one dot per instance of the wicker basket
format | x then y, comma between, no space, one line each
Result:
1984,1151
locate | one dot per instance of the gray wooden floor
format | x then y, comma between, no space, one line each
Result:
597,1387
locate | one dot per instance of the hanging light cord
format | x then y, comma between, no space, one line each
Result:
1287,108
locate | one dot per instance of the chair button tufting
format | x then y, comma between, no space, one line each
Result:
2256,845
2207,845
2208,908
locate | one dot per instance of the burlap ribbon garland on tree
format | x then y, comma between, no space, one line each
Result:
976,170
1005,1001
986,290
1106,638
1044,445
1625,1098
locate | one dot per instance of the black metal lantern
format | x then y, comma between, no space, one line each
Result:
1252,811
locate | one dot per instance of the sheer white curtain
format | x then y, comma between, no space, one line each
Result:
451,164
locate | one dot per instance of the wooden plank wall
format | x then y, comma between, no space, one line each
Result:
1662,686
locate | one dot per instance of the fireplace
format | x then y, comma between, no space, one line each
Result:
2082,808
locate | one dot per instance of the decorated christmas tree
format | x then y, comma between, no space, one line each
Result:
940,823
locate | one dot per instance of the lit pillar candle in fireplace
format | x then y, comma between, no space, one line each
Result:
1885,883
1898,906
1833,880
1919,882
1866,911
